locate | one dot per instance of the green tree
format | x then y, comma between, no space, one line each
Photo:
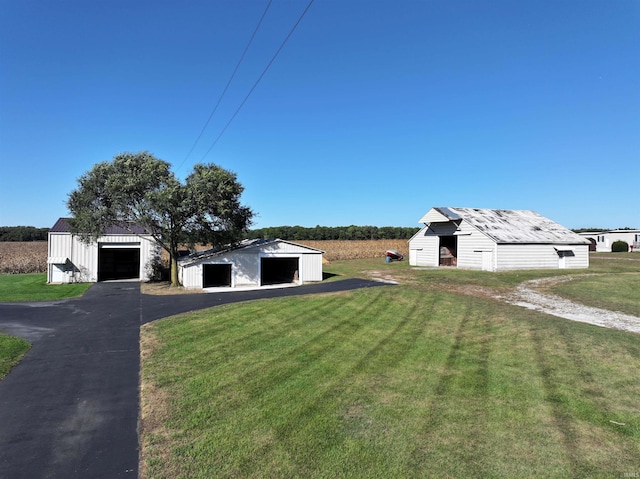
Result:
139,189
619,247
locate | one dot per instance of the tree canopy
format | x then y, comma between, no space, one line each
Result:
23,233
137,189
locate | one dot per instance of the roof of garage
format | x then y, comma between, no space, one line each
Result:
507,226
63,226
242,246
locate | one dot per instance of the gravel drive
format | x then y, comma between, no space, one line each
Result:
528,294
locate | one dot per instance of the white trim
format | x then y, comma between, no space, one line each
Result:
131,245
57,260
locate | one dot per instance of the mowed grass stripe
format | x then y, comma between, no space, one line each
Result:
11,351
390,382
34,287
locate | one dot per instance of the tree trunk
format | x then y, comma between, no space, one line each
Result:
174,271
173,262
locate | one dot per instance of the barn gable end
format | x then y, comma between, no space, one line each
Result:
495,240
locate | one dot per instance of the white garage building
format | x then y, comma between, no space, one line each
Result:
118,255
251,263
495,240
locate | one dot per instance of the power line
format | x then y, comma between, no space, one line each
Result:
215,108
258,80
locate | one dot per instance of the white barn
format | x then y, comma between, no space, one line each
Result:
119,254
495,240
251,263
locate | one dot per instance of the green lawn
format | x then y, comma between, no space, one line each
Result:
415,380
11,351
34,287
622,292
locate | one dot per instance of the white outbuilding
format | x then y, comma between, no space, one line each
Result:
602,241
251,263
495,240
122,253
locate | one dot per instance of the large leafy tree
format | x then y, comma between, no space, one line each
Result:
139,189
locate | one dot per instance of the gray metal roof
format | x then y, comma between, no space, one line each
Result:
513,226
63,226
242,245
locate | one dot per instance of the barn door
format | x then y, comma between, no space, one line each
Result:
448,251
216,275
487,261
118,261
279,270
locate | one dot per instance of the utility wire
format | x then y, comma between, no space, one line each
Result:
258,80
215,108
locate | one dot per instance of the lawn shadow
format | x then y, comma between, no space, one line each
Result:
326,275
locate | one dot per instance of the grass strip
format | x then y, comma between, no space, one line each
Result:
34,287
618,292
11,352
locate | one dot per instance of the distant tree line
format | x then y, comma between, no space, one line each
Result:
31,233
292,233
23,233
588,230
301,233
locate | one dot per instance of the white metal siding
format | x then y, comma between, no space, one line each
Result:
311,267
581,258
425,244
423,249
245,269
472,246
191,277
540,256
476,250
84,257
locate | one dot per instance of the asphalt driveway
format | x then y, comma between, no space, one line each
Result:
70,408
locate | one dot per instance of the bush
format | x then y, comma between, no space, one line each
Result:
619,247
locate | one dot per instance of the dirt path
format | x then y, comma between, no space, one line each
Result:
528,294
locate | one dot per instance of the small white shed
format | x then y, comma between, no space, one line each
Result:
118,255
495,240
251,263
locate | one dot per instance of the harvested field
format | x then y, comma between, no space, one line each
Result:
18,257
336,250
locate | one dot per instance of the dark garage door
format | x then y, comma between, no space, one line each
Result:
216,275
278,270
118,263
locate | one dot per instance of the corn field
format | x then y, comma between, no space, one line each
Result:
336,250
31,257
18,257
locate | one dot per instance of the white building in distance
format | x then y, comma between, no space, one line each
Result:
601,241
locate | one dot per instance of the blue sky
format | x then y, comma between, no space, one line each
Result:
372,112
